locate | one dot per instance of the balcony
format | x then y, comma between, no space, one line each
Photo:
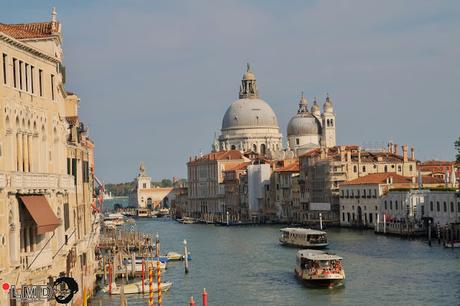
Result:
35,181
43,259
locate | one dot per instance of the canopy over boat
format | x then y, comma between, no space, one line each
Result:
302,231
317,255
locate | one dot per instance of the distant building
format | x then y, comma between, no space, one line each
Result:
144,195
206,188
323,170
360,198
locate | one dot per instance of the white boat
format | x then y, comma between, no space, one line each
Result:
319,268
303,237
452,244
143,213
112,220
136,287
147,264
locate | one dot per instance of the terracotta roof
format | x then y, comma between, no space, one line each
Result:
220,155
379,178
237,167
292,167
427,179
27,30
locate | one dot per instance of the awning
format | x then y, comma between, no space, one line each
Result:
41,212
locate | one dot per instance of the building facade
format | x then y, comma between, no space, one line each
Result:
144,195
47,223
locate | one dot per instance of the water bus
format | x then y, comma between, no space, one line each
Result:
318,268
303,237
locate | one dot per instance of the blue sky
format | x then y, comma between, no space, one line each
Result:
155,77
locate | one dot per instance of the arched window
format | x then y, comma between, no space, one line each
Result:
386,168
332,122
254,147
355,169
262,149
232,147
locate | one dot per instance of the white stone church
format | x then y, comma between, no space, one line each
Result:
250,124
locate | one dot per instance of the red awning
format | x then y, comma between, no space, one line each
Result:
41,212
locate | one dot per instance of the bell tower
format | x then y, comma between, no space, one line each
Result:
328,122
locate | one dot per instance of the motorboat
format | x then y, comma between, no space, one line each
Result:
452,244
136,287
303,237
148,262
115,219
318,268
173,256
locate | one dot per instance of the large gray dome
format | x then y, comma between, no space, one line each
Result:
249,113
303,124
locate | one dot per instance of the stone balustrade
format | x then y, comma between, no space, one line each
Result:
37,259
36,181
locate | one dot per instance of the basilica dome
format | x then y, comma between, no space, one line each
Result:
303,124
249,113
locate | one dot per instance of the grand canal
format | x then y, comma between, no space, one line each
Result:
247,266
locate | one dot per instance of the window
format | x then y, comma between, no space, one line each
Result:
297,141
20,74
445,206
437,206
144,185
343,216
410,168
431,206
52,87
386,168
458,207
69,166
66,216
74,170
4,68
396,205
364,193
386,204
391,204
452,206
26,72
15,82
85,168
355,169
32,70
348,216
364,168
40,82
370,217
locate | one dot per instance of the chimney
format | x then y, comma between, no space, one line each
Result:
404,148
348,156
342,153
395,149
359,155
390,147
412,153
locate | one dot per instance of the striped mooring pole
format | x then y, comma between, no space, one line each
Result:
160,303
151,285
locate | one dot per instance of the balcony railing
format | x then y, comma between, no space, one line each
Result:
36,181
37,259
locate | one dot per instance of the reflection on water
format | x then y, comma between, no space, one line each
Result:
247,266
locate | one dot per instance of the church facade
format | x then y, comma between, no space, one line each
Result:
250,124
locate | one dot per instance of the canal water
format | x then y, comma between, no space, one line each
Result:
247,266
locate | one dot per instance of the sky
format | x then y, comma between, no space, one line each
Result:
156,77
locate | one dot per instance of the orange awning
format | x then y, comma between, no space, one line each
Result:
41,212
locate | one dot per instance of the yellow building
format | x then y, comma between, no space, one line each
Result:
46,164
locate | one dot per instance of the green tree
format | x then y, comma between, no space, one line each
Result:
166,183
457,147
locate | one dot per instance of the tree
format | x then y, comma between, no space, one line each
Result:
166,183
457,147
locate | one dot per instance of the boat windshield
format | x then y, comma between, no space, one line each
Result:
317,238
319,267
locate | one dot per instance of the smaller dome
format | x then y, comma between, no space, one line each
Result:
328,105
315,110
249,75
303,124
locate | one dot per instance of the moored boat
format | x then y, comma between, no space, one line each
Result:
303,237
318,268
173,256
452,244
136,287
